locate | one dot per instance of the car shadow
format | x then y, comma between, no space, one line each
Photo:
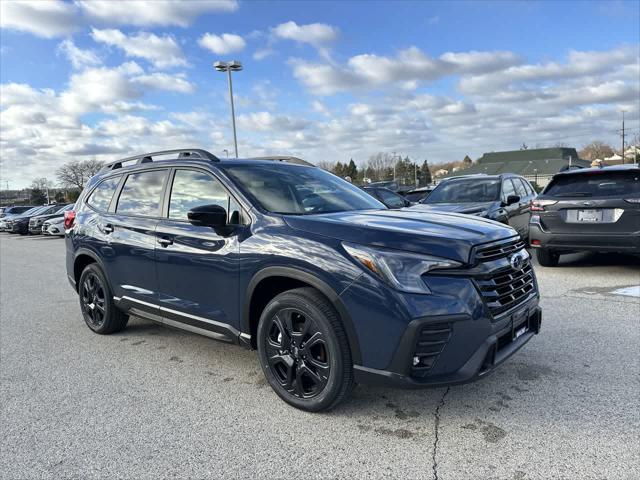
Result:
588,259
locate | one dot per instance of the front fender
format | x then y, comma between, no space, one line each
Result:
311,278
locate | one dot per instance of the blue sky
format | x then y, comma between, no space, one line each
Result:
325,81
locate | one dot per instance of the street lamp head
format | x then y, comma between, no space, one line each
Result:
235,66
221,66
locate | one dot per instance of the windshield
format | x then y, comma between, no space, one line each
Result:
33,210
605,184
465,191
296,190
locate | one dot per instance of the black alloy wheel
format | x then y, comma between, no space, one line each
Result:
297,353
92,299
96,302
303,349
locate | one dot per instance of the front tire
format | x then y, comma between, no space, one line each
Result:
303,350
547,258
96,302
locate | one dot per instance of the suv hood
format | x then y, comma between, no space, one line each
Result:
468,208
447,235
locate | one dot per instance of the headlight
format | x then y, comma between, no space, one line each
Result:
401,270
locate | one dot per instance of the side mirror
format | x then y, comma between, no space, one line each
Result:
511,199
213,216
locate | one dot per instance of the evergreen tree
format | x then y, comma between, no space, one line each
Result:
425,174
467,161
351,170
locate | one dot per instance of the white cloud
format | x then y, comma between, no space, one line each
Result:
78,57
265,122
263,53
579,64
222,44
44,18
314,33
163,81
159,12
163,51
409,67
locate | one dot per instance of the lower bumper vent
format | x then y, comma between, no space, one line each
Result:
429,344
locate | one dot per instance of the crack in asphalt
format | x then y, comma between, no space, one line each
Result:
436,427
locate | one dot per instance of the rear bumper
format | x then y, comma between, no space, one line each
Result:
502,343
607,242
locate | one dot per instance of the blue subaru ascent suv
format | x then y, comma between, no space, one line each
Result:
330,286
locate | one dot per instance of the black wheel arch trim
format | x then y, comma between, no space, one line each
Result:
90,253
315,282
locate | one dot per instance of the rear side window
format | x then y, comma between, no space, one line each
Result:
508,189
521,191
141,194
103,193
529,188
192,189
598,184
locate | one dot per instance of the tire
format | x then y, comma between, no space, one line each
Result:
303,350
547,258
96,302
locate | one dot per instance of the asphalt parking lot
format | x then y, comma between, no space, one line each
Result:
152,402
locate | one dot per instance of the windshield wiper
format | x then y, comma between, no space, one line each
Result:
574,194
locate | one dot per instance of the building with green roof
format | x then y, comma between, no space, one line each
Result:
537,164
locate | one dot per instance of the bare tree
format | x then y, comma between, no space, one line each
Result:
379,164
76,173
596,149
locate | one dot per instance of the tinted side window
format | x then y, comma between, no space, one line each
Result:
101,196
142,193
507,189
192,189
529,188
521,191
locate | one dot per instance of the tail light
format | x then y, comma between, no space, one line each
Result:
538,205
69,218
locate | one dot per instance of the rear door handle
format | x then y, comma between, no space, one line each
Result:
165,242
108,228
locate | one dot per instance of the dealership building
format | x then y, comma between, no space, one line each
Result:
536,165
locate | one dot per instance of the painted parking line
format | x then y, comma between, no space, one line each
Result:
628,291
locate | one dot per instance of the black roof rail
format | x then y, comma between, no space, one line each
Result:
284,158
195,153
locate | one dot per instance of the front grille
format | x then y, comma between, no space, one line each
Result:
500,250
506,288
430,343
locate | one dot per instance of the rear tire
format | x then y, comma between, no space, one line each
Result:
303,350
547,258
96,302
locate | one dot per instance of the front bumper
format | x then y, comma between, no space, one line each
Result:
35,229
574,242
507,336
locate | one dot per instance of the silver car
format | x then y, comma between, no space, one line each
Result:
54,227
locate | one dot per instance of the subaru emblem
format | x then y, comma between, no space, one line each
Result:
516,261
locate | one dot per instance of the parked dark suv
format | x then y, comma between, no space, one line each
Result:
329,286
591,209
505,198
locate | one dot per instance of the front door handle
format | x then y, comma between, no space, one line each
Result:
165,242
108,228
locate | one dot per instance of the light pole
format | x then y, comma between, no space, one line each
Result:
234,66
